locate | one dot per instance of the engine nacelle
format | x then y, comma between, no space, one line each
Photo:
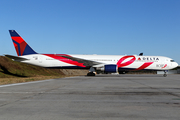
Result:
109,68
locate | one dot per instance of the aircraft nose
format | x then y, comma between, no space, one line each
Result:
174,65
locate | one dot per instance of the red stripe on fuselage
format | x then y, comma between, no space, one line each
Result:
121,64
66,60
145,65
165,66
133,58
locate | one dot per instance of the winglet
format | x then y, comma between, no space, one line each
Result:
22,48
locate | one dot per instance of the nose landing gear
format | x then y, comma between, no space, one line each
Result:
165,73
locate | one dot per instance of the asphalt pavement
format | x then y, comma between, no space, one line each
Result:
103,97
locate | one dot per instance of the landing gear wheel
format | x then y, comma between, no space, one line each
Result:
165,75
90,74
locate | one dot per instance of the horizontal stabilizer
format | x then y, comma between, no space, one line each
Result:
16,58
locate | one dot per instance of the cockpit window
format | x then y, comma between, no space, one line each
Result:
172,60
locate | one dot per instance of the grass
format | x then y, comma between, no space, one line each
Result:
16,72
9,68
4,81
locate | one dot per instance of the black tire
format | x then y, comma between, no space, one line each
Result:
165,75
90,74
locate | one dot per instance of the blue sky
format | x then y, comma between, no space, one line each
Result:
112,27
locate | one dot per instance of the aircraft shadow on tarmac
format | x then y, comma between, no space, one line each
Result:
127,75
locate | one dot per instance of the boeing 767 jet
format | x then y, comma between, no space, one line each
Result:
105,63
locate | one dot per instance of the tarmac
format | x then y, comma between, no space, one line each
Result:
103,97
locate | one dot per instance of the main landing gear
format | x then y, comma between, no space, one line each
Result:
91,72
165,73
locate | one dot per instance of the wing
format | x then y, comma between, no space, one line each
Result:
80,60
16,58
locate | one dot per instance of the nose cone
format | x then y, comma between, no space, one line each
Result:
175,64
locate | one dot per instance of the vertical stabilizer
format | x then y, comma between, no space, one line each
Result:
22,48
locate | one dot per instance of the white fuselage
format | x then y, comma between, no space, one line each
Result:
133,62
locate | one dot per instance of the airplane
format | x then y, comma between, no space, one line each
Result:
95,63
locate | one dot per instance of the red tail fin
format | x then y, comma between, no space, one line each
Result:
22,48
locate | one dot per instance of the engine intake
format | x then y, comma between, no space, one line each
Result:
110,68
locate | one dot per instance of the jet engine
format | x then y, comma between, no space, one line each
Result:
109,68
